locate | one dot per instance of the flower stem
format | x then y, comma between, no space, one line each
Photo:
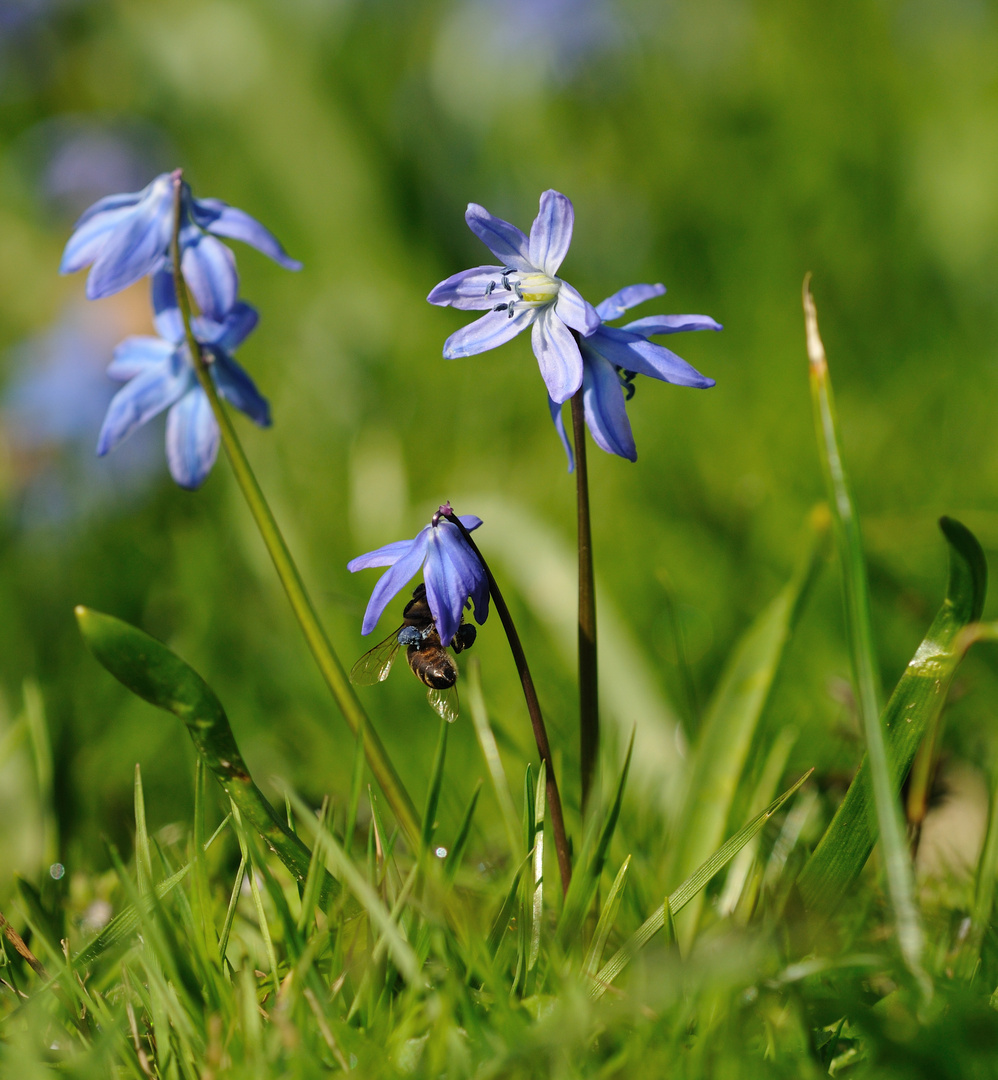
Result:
533,707
319,644
588,679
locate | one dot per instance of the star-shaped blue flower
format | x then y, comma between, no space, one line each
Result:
613,355
451,570
522,292
159,374
128,236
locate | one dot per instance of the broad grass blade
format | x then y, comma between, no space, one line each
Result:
919,695
731,721
150,670
677,900
886,813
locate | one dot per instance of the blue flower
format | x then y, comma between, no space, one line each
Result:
528,294
159,374
612,356
452,573
127,237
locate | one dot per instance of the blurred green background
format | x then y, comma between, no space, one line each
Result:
722,147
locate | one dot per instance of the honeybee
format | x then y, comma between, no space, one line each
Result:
429,660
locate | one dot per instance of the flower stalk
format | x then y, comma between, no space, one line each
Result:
319,644
588,676
533,708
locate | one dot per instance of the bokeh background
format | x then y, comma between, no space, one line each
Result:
723,147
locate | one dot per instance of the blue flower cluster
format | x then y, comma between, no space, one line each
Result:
574,345
124,238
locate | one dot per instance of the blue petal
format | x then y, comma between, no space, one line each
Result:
452,572
491,330
557,355
149,393
574,311
469,521
166,314
395,579
210,272
559,426
633,352
238,325
138,246
630,296
137,354
469,289
191,439
91,235
224,220
671,324
606,415
388,555
505,241
239,389
551,232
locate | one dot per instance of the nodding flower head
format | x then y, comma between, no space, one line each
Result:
452,572
613,356
523,291
126,237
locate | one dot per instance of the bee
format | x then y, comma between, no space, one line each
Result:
429,660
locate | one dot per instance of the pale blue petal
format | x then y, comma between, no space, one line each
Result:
210,272
634,352
137,354
137,247
469,289
388,555
239,389
452,572
139,400
394,580
630,296
558,356
469,521
551,232
606,415
559,426
224,220
574,311
192,439
505,241
91,235
672,324
491,330
112,203
166,314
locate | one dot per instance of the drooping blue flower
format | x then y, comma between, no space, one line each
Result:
159,374
613,356
452,573
522,292
128,236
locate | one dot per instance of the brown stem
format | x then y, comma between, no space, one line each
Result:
533,707
18,942
588,678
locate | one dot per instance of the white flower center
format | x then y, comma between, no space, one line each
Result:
530,290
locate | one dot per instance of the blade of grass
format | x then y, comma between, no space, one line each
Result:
842,852
490,752
456,853
153,672
143,860
433,790
678,899
732,718
537,907
887,811
608,916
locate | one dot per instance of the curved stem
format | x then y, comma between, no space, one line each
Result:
588,678
319,644
533,707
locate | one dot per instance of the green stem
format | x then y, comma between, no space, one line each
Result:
332,671
897,861
588,678
533,708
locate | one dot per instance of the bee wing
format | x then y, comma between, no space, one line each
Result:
444,703
374,665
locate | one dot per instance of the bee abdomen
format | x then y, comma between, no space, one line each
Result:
432,666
